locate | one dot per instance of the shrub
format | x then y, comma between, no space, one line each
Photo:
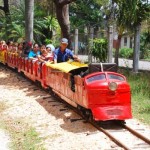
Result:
126,53
99,49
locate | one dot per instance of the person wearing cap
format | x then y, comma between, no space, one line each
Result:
63,54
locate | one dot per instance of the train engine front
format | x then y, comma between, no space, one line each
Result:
108,94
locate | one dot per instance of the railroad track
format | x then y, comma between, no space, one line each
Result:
143,142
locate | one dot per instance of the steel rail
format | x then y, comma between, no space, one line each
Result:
136,134
118,142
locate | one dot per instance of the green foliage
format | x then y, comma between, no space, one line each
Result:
44,24
99,49
145,45
131,13
126,52
85,12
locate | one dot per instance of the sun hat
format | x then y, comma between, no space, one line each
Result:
51,47
64,40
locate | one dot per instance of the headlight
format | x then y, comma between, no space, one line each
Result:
113,86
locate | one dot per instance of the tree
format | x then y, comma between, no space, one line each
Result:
136,12
5,8
62,13
130,15
29,17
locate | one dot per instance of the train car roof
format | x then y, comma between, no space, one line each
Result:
67,66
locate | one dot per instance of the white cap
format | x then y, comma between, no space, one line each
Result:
51,47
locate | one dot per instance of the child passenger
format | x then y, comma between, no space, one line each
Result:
45,55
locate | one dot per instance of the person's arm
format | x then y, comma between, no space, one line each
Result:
55,58
40,59
76,58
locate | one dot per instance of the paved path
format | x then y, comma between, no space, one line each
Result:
143,65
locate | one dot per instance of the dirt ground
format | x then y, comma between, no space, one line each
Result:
27,101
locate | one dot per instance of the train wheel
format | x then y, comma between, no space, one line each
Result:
88,115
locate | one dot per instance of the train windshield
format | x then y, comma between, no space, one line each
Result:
116,77
96,77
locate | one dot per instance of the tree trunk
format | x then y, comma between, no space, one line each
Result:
29,17
62,13
136,49
117,50
5,8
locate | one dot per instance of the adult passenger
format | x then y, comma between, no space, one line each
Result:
63,54
33,54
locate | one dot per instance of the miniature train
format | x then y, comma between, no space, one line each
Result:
96,89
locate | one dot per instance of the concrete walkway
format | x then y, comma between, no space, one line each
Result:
143,65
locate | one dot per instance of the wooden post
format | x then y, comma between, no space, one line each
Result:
136,49
76,42
90,44
110,44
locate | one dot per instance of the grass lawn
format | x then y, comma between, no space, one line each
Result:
140,88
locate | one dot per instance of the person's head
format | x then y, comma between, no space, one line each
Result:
50,48
42,48
44,52
35,47
27,45
5,47
20,46
63,44
14,47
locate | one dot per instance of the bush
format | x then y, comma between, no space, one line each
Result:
99,49
126,52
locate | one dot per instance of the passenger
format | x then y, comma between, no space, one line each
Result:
50,48
10,45
63,54
27,47
34,54
45,56
14,48
4,47
20,49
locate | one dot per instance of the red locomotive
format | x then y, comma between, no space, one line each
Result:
96,90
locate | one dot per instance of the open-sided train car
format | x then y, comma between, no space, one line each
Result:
96,90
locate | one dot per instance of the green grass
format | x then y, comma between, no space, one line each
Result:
140,88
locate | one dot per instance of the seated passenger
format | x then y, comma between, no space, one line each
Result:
10,45
14,48
45,56
50,48
20,49
33,54
27,46
63,54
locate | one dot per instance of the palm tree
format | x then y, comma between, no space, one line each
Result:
139,11
130,15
